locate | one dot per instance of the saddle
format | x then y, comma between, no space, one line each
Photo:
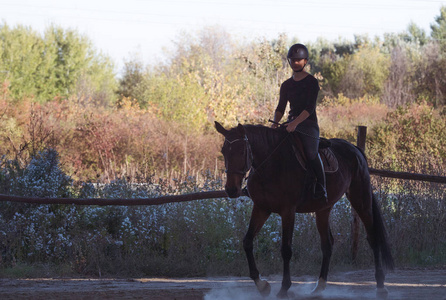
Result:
329,160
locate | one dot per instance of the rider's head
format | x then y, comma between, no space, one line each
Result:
298,57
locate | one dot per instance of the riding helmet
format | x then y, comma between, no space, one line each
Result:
298,51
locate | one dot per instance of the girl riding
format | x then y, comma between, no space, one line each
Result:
301,92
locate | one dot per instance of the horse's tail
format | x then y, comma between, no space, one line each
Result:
381,235
362,152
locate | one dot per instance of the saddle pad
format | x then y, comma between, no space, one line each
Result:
328,158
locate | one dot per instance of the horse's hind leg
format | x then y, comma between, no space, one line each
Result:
258,219
361,200
323,227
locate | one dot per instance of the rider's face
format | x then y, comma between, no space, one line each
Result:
297,64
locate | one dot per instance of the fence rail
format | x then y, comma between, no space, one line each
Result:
120,201
408,176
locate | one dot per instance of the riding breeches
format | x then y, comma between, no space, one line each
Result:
308,133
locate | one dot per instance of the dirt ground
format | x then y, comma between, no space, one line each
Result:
402,284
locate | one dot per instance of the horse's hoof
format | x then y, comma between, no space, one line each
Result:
382,293
283,294
263,287
320,287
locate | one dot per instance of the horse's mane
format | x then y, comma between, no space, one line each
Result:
266,141
262,135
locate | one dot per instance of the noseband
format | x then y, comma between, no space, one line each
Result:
248,157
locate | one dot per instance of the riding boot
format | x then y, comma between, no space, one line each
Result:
319,187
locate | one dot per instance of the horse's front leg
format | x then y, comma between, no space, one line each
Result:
288,219
323,227
258,219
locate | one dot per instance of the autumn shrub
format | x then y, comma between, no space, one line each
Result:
340,116
97,143
410,139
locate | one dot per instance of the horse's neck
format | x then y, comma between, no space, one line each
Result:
265,147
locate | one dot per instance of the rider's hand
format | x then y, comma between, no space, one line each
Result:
274,125
290,127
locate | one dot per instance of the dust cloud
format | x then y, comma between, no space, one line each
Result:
300,289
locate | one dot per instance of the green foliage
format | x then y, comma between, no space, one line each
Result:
179,99
360,74
21,51
373,67
439,28
59,64
333,72
416,35
132,79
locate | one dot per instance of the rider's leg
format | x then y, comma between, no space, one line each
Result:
310,140
319,189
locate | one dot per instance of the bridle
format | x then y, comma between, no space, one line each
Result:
248,157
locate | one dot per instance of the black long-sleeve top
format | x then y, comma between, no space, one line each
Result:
302,95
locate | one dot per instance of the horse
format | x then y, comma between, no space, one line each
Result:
277,183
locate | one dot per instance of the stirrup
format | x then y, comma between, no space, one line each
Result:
320,193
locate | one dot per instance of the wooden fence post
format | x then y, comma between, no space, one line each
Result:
355,222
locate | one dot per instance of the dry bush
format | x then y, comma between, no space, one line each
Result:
97,143
340,116
409,139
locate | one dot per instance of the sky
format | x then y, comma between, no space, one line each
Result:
122,29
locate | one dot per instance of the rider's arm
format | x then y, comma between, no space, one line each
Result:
280,109
300,118
277,117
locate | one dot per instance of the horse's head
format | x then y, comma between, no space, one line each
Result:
238,158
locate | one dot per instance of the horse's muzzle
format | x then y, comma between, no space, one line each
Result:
233,192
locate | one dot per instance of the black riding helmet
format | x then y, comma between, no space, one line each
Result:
297,51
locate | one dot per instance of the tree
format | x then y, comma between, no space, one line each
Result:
428,79
439,28
22,60
59,64
416,34
366,73
78,68
132,78
398,87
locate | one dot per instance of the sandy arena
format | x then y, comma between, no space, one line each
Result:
413,284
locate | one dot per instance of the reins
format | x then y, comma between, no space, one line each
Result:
249,156
295,130
270,154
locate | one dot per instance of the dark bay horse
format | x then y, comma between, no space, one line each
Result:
276,184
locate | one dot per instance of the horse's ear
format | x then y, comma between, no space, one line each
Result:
220,128
241,129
